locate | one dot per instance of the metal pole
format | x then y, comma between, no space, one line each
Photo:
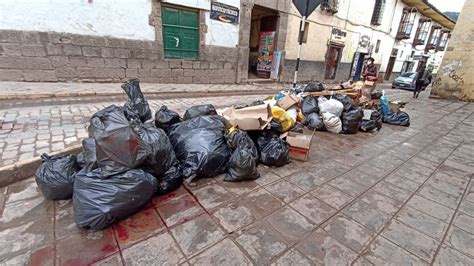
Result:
302,25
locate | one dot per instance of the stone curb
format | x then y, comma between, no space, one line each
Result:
21,170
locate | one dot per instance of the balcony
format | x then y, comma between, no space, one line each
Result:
430,46
418,42
402,35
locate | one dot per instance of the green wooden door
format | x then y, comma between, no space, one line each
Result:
180,33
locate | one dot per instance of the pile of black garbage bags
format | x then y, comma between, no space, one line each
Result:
338,114
130,158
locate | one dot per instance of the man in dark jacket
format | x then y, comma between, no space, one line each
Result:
421,79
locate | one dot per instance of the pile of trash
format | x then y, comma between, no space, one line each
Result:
346,108
131,156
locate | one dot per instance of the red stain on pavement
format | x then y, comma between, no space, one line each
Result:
108,249
43,256
165,197
122,233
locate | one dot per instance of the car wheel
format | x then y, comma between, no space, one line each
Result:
393,87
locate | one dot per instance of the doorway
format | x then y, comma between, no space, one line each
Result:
388,73
357,66
262,42
332,61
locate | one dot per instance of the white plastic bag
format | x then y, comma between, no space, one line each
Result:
292,112
333,123
331,106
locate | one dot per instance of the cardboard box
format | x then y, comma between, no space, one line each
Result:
288,101
249,118
299,145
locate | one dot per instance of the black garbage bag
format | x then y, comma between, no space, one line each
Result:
313,87
314,122
200,146
376,94
89,153
375,122
55,176
162,155
257,102
351,120
236,137
170,180
273,150
367,125
164,118
80,160
298,128
136,101
99,202
397,118
242,163
345,100
199,110
309,105
118,145
275,126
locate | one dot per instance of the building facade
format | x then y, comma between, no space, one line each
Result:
454,78
207,41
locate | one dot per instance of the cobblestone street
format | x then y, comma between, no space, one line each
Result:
402,196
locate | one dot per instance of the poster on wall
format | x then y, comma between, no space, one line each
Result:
265,53
224,13
275,65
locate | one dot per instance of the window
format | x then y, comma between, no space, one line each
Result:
394,52
180,33
330,6
401,54
422,31
444,40
406,23
377,46
378,13
412,54
433,40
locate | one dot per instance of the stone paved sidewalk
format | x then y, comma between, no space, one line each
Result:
401,196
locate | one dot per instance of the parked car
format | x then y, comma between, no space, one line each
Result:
407,81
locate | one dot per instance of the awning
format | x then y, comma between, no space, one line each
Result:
430,11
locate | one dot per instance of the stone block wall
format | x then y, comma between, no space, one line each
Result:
62,57
312,71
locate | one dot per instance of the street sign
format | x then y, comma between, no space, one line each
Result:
306,7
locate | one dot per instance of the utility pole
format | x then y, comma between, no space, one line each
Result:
305,7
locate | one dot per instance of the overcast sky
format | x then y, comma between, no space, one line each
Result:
448,5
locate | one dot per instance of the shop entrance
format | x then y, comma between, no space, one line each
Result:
357,66
332,61
262,44
388,72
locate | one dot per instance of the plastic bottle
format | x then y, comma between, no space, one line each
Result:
384,103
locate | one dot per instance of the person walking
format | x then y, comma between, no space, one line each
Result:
421,78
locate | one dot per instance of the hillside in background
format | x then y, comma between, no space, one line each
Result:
453,15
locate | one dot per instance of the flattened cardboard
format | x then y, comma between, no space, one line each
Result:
288,101
249,118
